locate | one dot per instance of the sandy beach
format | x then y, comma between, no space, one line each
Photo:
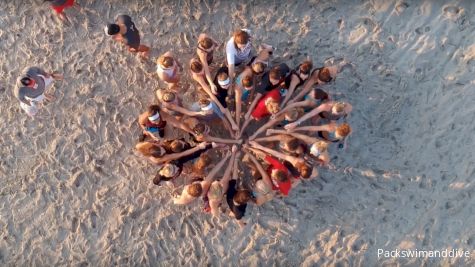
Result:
74,193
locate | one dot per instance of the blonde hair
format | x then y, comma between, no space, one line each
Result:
195,190
292,114
321,145
338,107
165,61
168,97
273,106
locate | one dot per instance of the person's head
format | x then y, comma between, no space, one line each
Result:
200,129
258,68
242,196
279,176
247,83
205,104
272,106
305,69
342,131
241,38
206,43
292,114
215,191
196,66
112,29
156,151
318,148
324,75
177,146
168,170
275,75
203,161
166,62
223,80
195,190
154,113
338,108
168,97
291,144
304,169
27,81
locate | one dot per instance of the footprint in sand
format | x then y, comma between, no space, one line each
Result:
357,34
451,11
401,7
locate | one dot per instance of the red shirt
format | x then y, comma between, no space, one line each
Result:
261,110
284,187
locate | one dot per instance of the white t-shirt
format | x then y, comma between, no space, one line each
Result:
239,55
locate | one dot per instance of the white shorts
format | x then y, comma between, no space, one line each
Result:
33,108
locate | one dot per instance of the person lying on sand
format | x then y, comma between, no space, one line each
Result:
171,165
237,198
198,74
262,189
125,32
238,50
168,69
266,106
298,166
223,85
60,5
331,132
205,50
152,123
281,118
215,194
278,172
297,78
316,148
31,89
196,189
330,110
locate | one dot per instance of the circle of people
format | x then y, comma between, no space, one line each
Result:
279,101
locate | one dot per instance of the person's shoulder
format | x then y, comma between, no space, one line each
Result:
122,18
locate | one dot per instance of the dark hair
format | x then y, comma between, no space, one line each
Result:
206,43
196,66
222,76
203,161
324,75
247,81
305,67
113,29
157,179
153,109
204,102
155,151
292,144
259,68
199,128
280,176
168,97
177,146
25,81
275,73
242,196
167,62
241,37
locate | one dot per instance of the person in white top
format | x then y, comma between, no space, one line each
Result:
238,50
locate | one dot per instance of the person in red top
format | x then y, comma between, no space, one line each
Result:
267,105
60,5
279,174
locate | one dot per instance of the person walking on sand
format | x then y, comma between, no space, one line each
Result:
31,88
60,5
124,31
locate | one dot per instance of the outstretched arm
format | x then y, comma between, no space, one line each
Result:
293,84
176,123
309,115
279,137
326,127
276,154
210,177
307,87
225,111
305,103
231,167
222,140
175,156
307,139
266,126
260,169
253,105
182,110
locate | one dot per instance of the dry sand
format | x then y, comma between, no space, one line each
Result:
73,192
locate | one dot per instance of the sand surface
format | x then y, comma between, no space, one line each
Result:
74,193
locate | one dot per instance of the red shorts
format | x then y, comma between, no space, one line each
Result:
59,9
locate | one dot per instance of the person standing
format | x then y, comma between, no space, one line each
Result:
31,88
124,31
